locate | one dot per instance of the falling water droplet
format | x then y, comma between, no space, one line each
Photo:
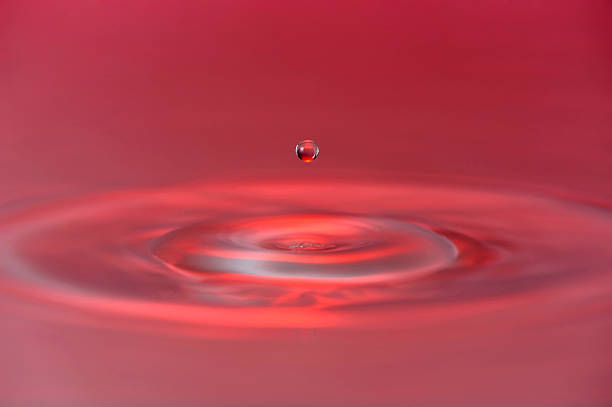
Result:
307,150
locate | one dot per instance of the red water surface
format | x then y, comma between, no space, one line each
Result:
135,97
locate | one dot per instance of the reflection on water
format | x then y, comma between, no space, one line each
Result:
266,255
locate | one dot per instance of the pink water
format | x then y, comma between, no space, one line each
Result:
161,245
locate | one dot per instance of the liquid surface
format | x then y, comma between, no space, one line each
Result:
264,255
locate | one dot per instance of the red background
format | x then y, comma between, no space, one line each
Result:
97,93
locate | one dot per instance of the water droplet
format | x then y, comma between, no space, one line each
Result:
307,150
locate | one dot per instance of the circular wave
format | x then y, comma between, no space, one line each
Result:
313,247
266,254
